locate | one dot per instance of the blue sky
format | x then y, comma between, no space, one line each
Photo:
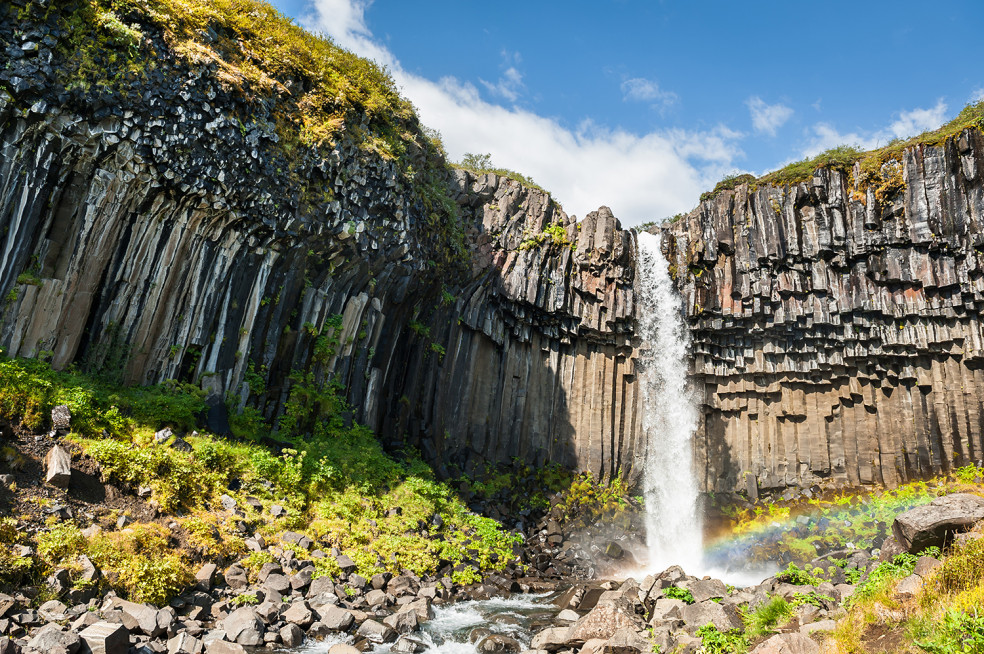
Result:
643,105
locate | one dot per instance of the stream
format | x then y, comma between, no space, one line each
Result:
457,628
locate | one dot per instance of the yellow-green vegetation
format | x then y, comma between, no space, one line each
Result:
335,483
942,619
482,164
554,234
14,568
587,501
834,519
879,169
768,617
138,562
722,642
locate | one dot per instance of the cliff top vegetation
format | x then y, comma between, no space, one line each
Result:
843,157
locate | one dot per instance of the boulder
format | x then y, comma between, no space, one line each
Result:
219,646
244,627
334,618
299,613
626,640
52,636
935,523
603,622
58,467
404,622
140,618
8,646
61,417
184,643
926,565
291,635
404,645
375,632
791,643
343,648
705,589
909,586
551,639
498,644
696,616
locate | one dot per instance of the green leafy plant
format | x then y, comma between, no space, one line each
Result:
722,642
682,594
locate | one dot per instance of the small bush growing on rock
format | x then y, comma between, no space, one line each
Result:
13,567
767,617
797,576
682,594
141,563
721,642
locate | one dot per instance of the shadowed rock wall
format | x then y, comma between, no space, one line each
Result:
837,337
153,235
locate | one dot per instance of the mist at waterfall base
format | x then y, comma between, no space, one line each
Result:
674,520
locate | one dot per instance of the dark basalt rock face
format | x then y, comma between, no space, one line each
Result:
151,234
837,338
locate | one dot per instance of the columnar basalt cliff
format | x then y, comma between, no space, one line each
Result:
161,231
836,331
167,222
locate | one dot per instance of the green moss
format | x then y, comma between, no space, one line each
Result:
482,164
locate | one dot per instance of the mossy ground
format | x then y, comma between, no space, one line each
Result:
335,484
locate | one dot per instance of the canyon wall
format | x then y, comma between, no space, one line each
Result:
162,225
159,230
836,332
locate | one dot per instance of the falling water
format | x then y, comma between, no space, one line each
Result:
673,522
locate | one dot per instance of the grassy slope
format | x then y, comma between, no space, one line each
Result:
333,482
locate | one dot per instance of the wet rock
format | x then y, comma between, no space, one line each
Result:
498,643
219,646
376,632
334,618
404,645
404,622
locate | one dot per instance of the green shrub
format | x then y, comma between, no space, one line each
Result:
956,633
768,616
682,594
718,642
797,576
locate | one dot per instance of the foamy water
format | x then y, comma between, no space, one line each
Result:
673,518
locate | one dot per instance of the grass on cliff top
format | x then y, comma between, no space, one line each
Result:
257,50
333,482
481,164
843,157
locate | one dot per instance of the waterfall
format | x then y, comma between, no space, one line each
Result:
673,521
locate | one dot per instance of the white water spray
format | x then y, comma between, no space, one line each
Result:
673,521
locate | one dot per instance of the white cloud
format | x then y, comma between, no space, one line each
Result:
767,118
510,84
908,124
642,89
641,177
977,96
917,121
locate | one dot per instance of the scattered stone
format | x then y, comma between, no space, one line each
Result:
61,418
291,635
58,467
